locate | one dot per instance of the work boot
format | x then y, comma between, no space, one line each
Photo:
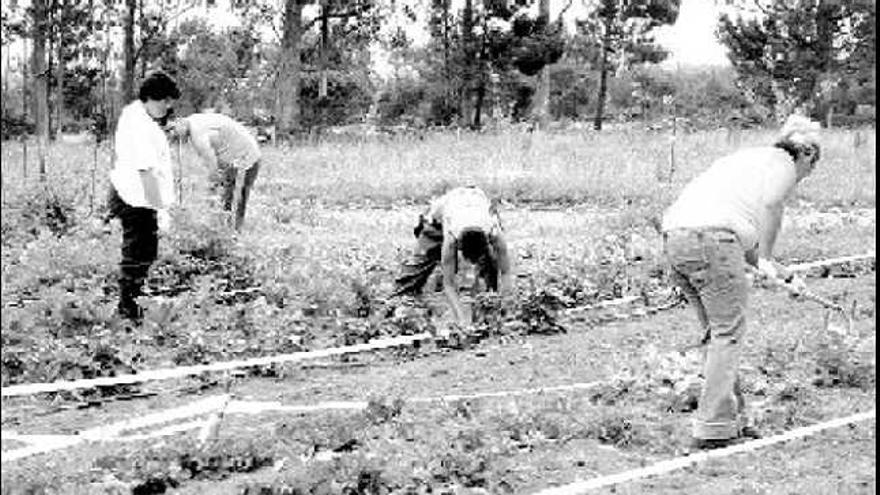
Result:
128,307
712,443
745,433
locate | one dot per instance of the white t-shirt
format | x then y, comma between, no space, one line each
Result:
462,208
141,145
734,192
230,141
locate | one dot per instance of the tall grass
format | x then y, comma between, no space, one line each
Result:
571,167
612,168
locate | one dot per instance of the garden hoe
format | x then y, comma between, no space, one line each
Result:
830,306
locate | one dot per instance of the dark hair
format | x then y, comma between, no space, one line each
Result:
474,244
158,86
797,150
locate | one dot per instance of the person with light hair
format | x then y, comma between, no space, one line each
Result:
463,221
725,219
230,152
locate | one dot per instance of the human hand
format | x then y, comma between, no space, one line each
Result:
767,269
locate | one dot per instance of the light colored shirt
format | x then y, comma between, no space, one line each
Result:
462,208
228,140
734,192
140,145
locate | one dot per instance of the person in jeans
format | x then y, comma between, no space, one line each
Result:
726,218
142,185
228,149
460,221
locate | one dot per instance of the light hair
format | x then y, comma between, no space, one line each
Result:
800,131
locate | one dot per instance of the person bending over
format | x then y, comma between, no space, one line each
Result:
229,150
726,218
460,221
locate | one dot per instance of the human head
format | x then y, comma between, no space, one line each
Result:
474,245
158,92
800,138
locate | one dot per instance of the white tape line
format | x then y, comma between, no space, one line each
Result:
604,304
802,267
666,466
258,407
163,432
165,374
111,432
40,448
34,439
201,407
510,393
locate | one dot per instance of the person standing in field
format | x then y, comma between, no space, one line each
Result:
229,149
142,185
725,219
463,221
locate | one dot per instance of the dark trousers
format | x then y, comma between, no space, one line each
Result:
415,271
227,183
140,246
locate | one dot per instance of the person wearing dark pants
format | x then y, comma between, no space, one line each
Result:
142,185
461,221
231,153
725,219
140,245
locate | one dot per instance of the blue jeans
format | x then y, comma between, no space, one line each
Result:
709,266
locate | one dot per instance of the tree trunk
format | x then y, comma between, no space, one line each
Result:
446,68
128,52
50,65
41,83
59,72
325,45
603,84
466,103
138,57
541,101
287,108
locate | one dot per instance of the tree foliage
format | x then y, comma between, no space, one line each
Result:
620,33
800,53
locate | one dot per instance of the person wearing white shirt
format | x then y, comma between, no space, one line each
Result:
142,185
726,218
463,220
229,150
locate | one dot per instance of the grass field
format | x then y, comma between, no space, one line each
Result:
327,226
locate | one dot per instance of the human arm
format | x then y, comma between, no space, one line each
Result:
448,262
505,281
237,192
202,145
779,182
